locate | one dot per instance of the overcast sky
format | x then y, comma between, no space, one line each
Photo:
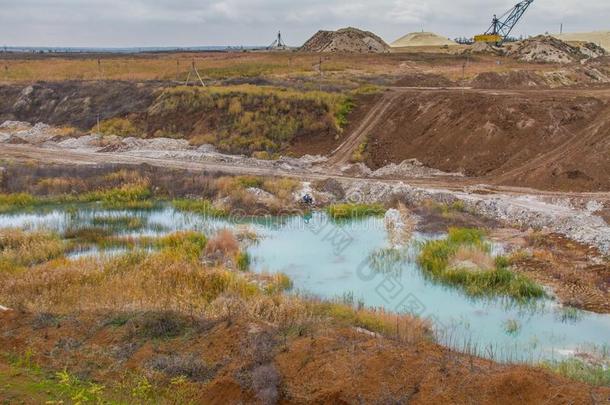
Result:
133,23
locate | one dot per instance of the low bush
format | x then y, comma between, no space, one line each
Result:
243,261
118,127
224,243
157,325
282,188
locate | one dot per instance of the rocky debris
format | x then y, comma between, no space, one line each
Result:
15,126
356,170
154,144
350,40
23,132
206,148
259,194
548,49
83,142
331,187
400,225
410,168
524,211
407,168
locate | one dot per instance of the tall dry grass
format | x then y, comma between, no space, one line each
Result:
21,249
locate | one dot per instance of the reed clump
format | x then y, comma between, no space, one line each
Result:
464,260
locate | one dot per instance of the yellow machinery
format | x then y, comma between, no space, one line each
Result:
501,27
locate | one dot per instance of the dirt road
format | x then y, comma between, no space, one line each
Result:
80,157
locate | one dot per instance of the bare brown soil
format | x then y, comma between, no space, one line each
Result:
547,140
424,80
577,273
75,103
510,80
321,143
223,359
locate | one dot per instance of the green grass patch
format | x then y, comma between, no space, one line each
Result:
344,108
202,207
435,259
129,196
355,211
577,369
187,244
17,201
126,222
118,127
243,261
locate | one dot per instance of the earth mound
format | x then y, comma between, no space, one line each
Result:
421,39
522,79
424,80
601,38
548,49
350,40
482,48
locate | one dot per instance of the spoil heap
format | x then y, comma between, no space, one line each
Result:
601,38
350,40
552,50
421,39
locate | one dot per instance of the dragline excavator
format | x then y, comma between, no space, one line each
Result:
502,26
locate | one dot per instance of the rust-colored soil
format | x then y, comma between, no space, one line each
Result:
543,139
331,366
577,273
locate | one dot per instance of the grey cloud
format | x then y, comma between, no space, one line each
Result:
225,22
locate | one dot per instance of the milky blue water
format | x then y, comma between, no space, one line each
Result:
333,260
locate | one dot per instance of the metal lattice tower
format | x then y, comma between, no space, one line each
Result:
278,43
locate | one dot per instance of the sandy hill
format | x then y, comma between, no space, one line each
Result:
346,40
601,38
421,39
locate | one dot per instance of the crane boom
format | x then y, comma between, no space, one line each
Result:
502,26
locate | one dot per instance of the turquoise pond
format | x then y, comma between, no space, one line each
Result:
333,260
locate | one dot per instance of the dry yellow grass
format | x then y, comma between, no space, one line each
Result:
176,66
19,248
472,257
172,66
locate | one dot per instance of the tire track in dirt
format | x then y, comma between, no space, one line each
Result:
344,152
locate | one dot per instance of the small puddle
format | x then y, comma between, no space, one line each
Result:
333,260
